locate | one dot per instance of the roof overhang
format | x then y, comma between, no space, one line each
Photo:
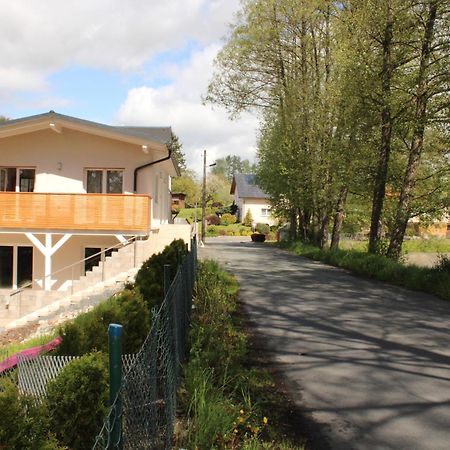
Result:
58,122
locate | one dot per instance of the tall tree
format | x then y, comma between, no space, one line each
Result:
431,63
176,147
231,164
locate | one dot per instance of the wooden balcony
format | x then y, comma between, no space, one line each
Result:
31,211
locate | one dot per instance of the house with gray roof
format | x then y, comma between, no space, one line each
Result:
249,196
73,191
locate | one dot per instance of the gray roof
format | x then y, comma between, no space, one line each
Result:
246,185
161,135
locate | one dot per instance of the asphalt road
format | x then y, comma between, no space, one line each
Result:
367,361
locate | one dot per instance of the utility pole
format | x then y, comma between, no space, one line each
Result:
202,240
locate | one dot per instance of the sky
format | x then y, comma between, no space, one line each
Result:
123,62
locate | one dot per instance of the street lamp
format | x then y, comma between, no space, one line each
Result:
202,240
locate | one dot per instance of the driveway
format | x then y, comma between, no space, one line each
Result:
368,361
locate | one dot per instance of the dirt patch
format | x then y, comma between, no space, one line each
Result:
295,425
17,335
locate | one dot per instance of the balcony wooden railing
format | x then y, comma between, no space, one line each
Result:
77,212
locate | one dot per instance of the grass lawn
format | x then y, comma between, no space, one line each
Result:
434,245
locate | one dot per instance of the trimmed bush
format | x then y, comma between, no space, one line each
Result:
212,219
23,425
77,401
262,228
227,219
89,331
150,278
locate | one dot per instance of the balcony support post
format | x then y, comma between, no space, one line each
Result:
48,251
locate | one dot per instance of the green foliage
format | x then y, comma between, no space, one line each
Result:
227,219
177,153
77,400
189,185
248,219
228,230
89,331
262,228
150,278
230,165
23,425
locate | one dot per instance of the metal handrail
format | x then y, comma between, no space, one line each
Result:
36,280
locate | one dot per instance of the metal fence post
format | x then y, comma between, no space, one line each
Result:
115,380
166,279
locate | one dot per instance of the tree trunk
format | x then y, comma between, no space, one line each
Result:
293,227
422,95
386,133
339,218
323,231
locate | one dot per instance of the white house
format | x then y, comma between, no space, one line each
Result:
70,188
250,197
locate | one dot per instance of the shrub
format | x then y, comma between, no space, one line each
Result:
150,278
77,400
248,219
262,228
212,219
23,425
227,219
89,331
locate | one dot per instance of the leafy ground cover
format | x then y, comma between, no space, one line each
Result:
434,280
226,402
435,245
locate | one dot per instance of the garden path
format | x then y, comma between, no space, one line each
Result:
368,361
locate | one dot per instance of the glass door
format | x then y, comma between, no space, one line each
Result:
24,266
6,266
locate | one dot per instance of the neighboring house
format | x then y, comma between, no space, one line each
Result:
71,188
250,197
437,228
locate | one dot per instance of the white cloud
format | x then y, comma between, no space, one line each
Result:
198,126
39,37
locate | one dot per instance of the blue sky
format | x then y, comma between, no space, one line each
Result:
122,62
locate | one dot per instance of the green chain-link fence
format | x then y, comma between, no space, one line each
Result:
144,409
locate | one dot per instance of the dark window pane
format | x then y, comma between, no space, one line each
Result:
24,265
114,183
94,181
26,177
8,179
6,266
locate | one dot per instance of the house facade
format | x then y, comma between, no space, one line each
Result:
70,188
250,197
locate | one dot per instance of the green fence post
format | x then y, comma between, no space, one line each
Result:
115,380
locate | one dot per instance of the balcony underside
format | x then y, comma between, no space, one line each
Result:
97,213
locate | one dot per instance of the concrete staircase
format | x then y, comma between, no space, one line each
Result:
108,277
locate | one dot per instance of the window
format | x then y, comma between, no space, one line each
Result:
17,179
16,266
264,212
100,181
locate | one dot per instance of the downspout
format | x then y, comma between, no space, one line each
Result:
148,165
